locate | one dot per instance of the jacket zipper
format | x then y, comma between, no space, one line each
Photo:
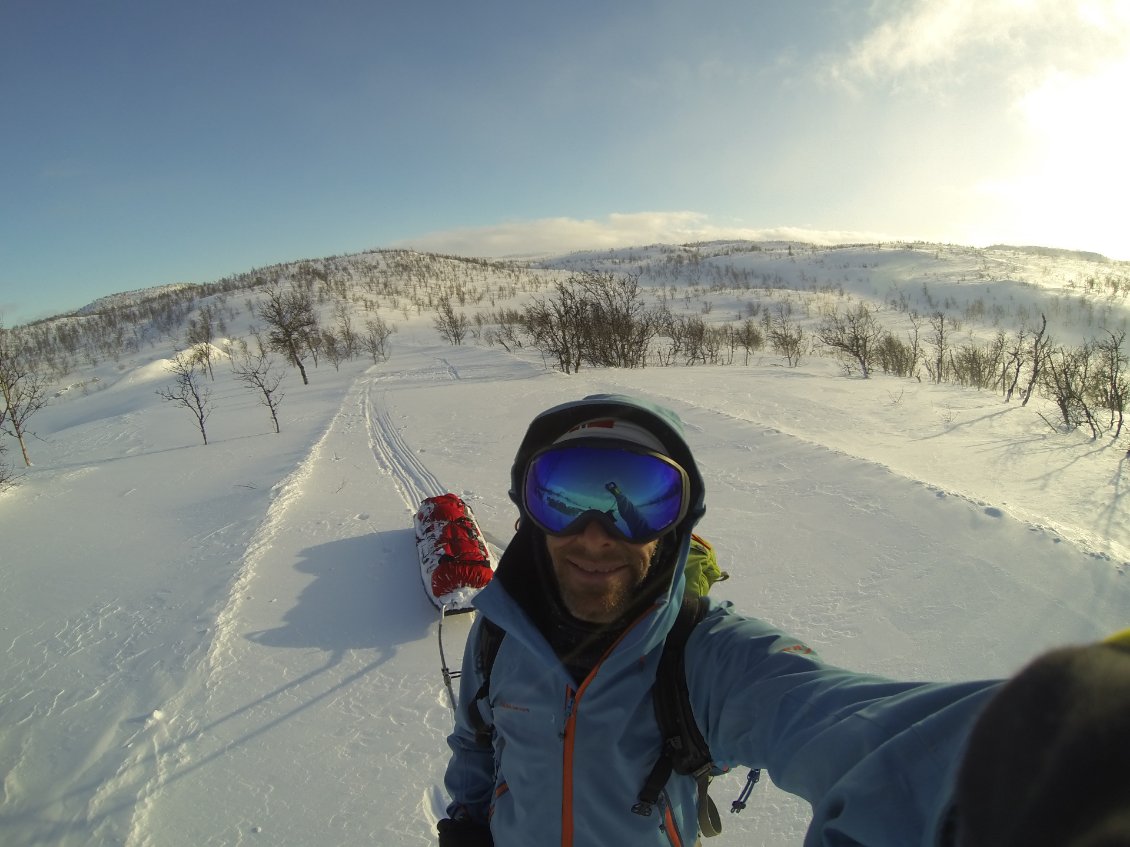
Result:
570,734
669,826
572,704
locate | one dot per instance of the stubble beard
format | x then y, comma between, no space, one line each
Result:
600,603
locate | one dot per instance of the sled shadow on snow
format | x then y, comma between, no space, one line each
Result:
366,594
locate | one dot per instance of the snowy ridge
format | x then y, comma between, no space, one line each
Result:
172,732
283,497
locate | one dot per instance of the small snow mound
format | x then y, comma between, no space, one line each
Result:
153,718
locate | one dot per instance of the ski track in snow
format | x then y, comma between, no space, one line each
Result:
410,476
173,732
171,745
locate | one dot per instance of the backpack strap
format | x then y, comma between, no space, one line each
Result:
489,640
684,750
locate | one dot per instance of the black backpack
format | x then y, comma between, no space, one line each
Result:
684,750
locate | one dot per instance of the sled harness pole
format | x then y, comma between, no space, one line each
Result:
448,674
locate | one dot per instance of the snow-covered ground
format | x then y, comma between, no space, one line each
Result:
230,644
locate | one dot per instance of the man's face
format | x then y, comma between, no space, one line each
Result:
597,573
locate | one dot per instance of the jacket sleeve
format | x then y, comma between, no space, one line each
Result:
874,757
469,779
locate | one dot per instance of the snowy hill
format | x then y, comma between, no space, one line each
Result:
129,298
229,644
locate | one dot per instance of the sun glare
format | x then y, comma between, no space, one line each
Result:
1072,182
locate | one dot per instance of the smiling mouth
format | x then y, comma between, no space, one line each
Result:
595,571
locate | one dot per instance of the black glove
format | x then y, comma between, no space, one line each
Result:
464,832
1046,763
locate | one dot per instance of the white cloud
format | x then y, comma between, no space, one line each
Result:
1049,75
551,236
941,39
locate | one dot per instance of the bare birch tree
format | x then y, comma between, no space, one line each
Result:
23,392
856,334
786,335
1113,386
375,339
7,474
1038,356
258,371
188,391
452,325
292,322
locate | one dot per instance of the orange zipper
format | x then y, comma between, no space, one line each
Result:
571,699
669,824
572,705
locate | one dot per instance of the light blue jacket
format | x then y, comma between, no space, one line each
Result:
875,758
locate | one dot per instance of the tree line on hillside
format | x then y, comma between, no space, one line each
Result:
380,280
293,328
28,358
602,319
291,300
331,309
1088,384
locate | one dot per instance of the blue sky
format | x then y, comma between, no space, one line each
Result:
151,142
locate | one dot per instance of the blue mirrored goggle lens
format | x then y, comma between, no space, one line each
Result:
639,495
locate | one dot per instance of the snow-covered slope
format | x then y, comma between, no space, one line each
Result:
230,644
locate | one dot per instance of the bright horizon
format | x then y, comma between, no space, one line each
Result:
186,144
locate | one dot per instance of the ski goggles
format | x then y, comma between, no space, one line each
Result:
636,494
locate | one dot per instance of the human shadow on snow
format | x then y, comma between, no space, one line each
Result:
366,594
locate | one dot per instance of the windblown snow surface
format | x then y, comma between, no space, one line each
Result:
230,644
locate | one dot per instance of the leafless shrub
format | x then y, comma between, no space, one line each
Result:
7,474
451,324
1064,379
855,333
619,325
258,370
556,325
1038,354
22,391
786,335
375,339
1112,387
978,365
750,337
187,391
345,332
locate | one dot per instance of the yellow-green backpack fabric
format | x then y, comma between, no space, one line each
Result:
702,567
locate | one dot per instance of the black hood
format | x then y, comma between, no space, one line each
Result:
525,569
